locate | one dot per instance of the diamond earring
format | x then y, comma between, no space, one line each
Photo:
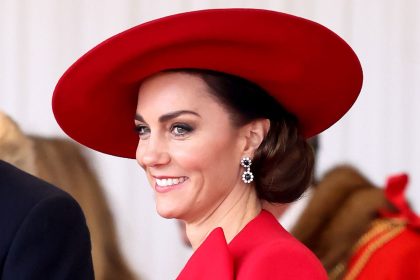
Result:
247,176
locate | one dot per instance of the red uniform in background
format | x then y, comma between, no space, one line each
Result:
391,248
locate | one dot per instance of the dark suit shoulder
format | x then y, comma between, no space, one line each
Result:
51,243
15,183
19,193
44,230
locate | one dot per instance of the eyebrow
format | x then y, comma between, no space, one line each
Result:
169,116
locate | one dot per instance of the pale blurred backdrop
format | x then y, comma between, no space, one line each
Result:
39,39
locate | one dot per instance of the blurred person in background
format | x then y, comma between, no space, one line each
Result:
61,162
357,230
43,232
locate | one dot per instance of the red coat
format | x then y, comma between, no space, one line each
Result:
262,250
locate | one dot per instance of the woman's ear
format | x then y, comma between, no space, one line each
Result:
254,133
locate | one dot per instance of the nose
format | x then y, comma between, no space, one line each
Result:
152,153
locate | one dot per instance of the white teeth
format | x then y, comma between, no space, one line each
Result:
170,181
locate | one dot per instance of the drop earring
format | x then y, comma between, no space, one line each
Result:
247,176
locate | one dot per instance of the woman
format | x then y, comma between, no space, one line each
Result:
222,101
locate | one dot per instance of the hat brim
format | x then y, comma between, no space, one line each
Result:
310,70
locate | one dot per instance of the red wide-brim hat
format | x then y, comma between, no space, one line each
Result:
309,69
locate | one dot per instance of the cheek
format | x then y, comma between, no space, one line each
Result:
191,160
138,155
213,160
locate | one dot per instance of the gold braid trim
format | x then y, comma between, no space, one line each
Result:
378,227
384,230
337,271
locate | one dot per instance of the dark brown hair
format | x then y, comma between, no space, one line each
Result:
283,163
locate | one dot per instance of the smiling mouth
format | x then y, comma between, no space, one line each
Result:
167,182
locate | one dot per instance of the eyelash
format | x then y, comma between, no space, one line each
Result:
185,127
138,128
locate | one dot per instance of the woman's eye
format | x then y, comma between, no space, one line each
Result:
143,131
181,129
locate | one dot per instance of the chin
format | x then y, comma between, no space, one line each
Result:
167,213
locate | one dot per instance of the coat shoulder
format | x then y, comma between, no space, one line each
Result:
286,258
20,192
43,226
23,197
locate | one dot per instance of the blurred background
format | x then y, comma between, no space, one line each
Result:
40,39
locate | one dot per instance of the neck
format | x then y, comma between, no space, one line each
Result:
231,215
277,209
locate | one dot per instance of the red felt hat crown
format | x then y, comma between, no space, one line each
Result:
310,70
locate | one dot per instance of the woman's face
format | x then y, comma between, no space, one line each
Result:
187,145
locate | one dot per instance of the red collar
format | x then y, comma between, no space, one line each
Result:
215,250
